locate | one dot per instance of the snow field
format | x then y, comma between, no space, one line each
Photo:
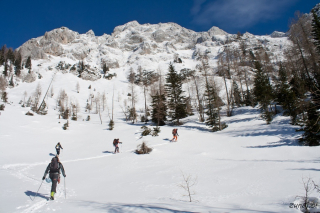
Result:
250,166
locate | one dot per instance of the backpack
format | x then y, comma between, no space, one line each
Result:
174,131
54,167
115,142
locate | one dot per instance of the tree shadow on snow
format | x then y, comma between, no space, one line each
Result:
122,207
32,194
278,161
282,142
307,169
51,154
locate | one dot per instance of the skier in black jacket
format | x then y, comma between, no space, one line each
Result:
58,147
54,173
115,144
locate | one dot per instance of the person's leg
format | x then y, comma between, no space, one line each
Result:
54,179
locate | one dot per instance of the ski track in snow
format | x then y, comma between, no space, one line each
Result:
20,171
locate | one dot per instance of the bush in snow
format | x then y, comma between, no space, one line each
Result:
66,125
111,125
143,149
155,131
216,128
29,113
146,131
4,97
74,117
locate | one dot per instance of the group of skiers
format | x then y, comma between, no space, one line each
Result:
116,141
55,167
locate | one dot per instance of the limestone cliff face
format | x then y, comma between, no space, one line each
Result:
147,38
140,44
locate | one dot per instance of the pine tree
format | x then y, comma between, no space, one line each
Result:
263,92
105,69
17,64
5,71
3,52
213,118
28,64
248,100
159,109
285,96
311,136
316,40
10,55
176,101
81,67
316,30
236,94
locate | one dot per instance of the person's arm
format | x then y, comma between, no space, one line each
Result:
46,172
62,170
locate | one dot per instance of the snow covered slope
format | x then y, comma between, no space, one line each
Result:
247,167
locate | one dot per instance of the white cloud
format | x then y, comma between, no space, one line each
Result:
237,14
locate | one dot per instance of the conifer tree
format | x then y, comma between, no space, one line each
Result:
17,64
176,101
105,69
285,96
316,30
159,109
2,54
311,136
263,92
10,55
213,118
80,68
28,64
5,71
236,94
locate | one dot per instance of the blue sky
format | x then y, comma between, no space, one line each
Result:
21,20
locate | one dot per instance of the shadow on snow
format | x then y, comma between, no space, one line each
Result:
33,194
120,207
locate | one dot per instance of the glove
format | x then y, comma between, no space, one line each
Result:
65,176
43,177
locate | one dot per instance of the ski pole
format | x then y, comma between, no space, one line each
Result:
65,192
37,191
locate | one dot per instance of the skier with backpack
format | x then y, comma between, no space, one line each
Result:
54,174
175,135
116,145
58,147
